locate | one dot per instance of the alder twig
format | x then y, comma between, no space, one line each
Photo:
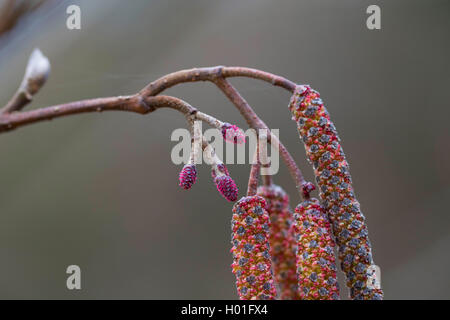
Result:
252,186
145,102
255,122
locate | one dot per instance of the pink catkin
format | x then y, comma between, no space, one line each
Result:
224,183
282,240
316,264
233,134
251,256
227,188
188,176
324,151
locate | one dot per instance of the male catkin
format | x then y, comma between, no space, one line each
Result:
252,263
331,169
316,264
282,240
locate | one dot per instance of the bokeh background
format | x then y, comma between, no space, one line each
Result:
100,190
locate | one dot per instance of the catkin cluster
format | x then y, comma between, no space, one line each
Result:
316,264
251,255
331,169
282,240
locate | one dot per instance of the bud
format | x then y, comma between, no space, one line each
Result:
188,176
36,74
315,259
282,240
233,134
331,169
251,257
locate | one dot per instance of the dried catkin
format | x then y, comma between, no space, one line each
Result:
282,240
331,169
251,257
316,265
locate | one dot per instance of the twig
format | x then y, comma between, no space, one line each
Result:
252,186
212,73
13,10
255,122
144,102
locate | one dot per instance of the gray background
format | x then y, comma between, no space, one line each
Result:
100,191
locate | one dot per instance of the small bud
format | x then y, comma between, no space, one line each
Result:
227,187
188,176
233,134
36,74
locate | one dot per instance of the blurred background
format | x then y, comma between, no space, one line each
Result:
100,190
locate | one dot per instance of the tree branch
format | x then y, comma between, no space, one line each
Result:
212,73
145,101
255,122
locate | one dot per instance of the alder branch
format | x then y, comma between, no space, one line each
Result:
254,121
212,73
145,101
253,178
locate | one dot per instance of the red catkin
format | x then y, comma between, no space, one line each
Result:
251,256
188,176
331,169
282,240
316,264
232,133
224,183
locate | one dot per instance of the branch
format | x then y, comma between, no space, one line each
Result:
253,178
13,10
255,122
212,73
144,101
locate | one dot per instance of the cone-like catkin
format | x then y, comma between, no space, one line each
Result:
282,240
316,264
224,183
332,174
251,257
233,134
188,176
